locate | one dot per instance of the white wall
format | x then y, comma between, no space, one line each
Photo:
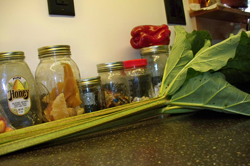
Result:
100,31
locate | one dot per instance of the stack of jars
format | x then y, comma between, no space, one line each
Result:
134,80
58,91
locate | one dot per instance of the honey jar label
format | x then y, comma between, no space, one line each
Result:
18,95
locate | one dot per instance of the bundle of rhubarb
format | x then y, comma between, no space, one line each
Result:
197,77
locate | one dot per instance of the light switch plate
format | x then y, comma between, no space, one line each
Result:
175,12
61,7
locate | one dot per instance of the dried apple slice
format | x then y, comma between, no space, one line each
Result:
67,71
77,101
56,90
47,112
59,108
69,87
70,100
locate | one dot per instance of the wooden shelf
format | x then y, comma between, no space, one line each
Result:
223,13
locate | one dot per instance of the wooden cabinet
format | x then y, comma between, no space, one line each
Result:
221,21
222,13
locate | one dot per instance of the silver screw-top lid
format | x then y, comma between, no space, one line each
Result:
154,50
53,50
111,66
11,55
89,81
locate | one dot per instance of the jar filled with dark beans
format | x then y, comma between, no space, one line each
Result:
139,79
91,94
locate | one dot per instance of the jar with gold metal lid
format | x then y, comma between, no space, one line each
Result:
91,94
19,93
157,58
114,83
56,76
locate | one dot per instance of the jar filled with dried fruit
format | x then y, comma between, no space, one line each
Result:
139,79
19,93
157,58
114,83
91,94
56,76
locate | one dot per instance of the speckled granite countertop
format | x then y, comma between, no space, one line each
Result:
202,138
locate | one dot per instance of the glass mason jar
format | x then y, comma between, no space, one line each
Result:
114,83
19,93
139,79
157,58
91,94
56,76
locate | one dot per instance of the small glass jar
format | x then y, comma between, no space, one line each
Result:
157,57
56,74
139,79
19,93
91,94
114,83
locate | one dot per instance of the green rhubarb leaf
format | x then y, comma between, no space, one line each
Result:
197,40
207,44
180,55
191,72
237,69
186,45
213,92
211,58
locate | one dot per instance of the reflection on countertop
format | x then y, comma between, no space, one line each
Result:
201,138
